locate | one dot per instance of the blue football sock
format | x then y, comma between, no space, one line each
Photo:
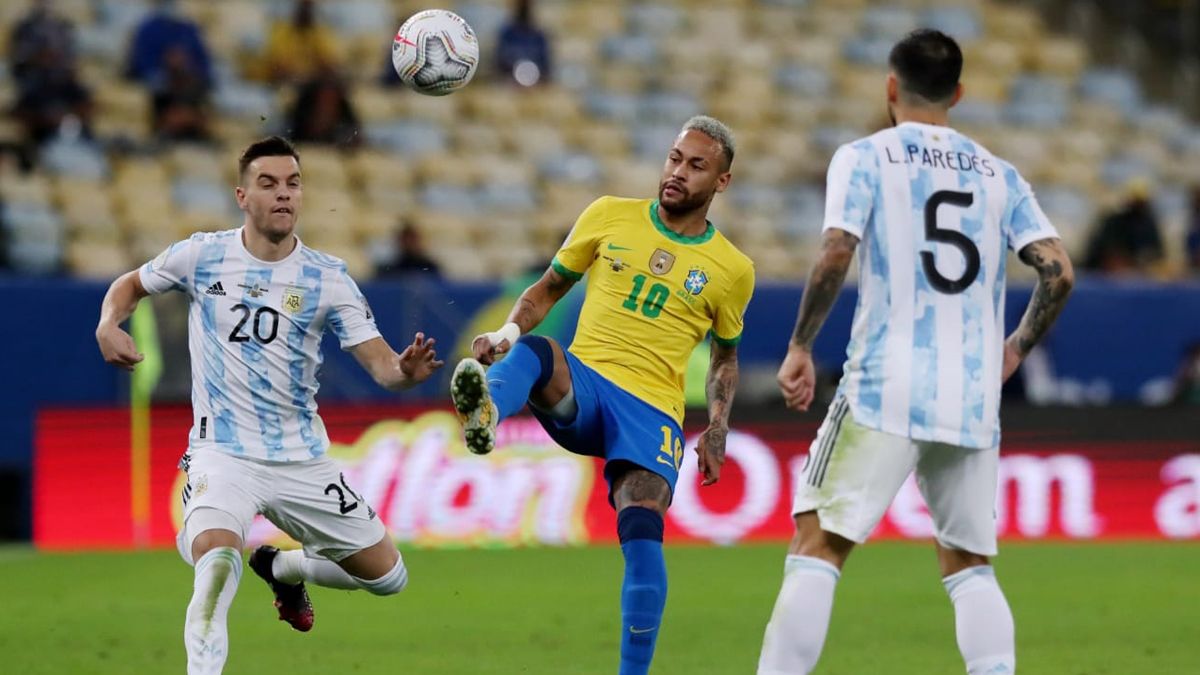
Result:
527,367
644,590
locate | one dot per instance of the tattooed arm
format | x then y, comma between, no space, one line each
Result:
531,308
797,376
720,386
1056,277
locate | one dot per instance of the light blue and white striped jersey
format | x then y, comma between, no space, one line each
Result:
935,213
254,334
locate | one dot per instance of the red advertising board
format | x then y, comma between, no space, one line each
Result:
410,464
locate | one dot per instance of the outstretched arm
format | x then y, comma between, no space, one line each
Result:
797,375
393,371
531,308
720,387
1056,278
122,298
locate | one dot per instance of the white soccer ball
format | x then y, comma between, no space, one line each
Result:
435,52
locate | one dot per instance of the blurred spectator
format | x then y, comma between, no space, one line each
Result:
180,102
1128,239
39,40
411,257
51,100
1187,380
166,30
299,49
523,52
1192,245
323,113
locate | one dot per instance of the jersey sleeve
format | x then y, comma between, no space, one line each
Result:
1024,221
727,324
579,250
350,316
170,270
850,189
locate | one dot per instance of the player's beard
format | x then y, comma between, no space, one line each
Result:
276,227
684,205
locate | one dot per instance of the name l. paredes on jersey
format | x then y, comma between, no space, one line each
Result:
939,159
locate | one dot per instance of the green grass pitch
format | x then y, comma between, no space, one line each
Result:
1081,609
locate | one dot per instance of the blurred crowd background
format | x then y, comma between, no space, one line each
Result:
122,120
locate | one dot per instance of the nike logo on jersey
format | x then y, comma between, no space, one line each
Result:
215,289
614,247
639,631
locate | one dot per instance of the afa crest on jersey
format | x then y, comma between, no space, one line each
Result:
696,280
293,300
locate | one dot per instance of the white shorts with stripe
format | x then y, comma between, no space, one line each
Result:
853,473
310,501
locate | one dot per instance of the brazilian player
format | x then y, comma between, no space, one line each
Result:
661,278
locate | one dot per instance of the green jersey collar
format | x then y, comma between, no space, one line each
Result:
673,236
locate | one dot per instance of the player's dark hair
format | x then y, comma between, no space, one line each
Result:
271,146
928,63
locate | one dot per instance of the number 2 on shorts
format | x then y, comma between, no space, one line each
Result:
342,505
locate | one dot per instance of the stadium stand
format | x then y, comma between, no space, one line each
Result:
498,163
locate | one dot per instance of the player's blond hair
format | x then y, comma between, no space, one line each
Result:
716,130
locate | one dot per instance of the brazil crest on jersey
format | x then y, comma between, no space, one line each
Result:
652,296
254,334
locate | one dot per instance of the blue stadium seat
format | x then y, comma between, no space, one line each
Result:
804,80
1114,87
410,138
612,105
962,23
641,50
571,167
457,199
888,22
654,19
75,159
667,107
651,141
975,112
201,196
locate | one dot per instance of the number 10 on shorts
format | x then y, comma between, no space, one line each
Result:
674,452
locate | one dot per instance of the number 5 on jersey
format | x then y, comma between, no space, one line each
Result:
956,239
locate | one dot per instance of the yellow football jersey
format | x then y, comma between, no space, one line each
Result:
652,296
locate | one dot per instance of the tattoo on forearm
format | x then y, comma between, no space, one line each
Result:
824,285
537,300
721,385
1054,285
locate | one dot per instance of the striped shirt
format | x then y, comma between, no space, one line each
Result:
935,213
254,335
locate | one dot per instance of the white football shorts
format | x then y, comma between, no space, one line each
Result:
853,473
310,501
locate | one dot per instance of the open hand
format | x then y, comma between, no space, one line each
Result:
419,360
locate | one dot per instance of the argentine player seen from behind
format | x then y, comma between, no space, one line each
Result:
259,303
935,213
660,277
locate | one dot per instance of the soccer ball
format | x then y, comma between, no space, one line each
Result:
435,52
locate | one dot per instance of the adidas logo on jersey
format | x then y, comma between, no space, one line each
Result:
215,289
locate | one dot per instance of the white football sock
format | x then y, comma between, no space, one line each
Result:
205,636
982,621
292,567
796,632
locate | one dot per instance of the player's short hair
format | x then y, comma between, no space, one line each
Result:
271,146
716,130
928,64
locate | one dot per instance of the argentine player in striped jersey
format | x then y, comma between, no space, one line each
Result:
934,213
259,303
